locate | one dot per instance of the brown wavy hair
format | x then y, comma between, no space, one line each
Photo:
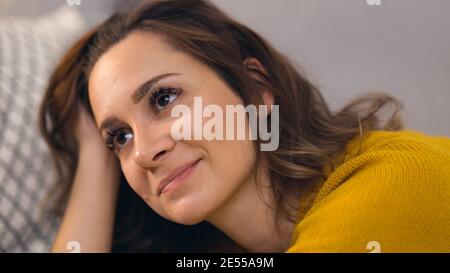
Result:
310,133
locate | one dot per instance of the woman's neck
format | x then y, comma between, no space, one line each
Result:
248,218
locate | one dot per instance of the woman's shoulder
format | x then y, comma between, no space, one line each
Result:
403,140
384,157
392,188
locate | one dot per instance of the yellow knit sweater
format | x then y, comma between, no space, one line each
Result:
392,196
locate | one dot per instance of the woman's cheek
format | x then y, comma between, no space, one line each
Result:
136,181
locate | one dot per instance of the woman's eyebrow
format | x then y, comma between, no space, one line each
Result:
137,96
143,89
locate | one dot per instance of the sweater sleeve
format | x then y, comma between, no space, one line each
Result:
395,198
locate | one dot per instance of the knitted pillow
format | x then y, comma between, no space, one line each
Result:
29,50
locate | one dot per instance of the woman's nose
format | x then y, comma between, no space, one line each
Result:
150,152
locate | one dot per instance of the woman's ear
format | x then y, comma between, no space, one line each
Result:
260,75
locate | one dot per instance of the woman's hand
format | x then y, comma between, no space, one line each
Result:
89,217
92,147
87,133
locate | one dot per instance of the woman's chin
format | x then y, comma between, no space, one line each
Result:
186,219
186,213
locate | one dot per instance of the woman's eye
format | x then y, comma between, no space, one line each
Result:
163,97
122,138
165,100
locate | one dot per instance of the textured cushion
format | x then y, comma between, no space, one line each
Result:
29,49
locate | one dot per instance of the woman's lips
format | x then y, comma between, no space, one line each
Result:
176,177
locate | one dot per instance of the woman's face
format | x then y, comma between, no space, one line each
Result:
137,126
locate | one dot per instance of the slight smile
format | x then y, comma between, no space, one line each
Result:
176,177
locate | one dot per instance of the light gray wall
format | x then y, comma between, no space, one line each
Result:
93,10
347,47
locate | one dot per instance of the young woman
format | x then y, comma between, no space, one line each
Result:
337,181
